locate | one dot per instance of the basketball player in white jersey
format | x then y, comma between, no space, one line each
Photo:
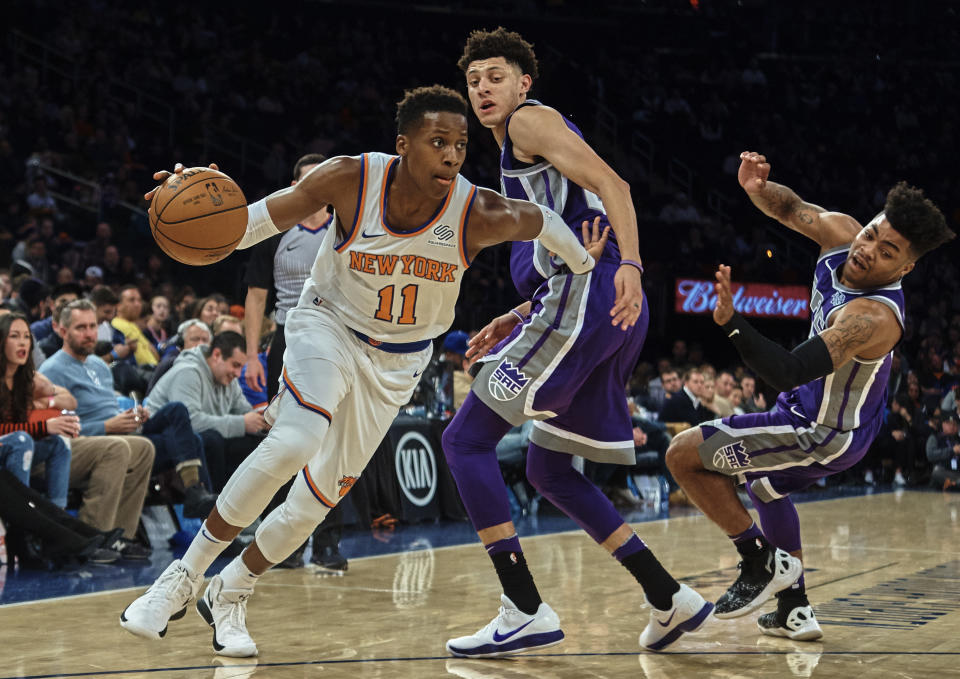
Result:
384,284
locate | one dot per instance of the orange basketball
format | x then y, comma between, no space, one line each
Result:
198,217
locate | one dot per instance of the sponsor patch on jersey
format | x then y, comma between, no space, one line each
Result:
507,382
838,298
731,456
443,236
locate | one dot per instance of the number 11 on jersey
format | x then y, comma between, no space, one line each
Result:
407,310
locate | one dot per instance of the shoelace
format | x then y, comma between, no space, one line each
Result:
159,594
237,618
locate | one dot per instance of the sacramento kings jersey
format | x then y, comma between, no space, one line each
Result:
541,182
855,393
393,286
295,255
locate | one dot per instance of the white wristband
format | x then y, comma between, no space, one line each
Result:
557,237
259,225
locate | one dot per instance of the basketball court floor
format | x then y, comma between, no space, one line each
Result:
883,575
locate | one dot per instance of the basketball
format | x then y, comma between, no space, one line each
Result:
198,217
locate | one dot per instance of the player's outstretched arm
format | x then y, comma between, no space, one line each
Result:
331,182
827,229
539,131
496,219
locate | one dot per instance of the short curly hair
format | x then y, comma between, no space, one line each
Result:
916,218
422,100
499,43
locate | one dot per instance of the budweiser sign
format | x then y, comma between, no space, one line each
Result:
760,300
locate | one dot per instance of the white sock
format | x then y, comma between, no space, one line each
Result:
202,551
236,575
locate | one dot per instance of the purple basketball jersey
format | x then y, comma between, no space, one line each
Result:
853,395
542,183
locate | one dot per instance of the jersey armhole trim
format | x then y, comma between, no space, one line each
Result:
358,214
464,221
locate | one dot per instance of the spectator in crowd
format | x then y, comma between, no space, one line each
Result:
40,202
89,380
684,406
225,322
129,310
95,250
157,327
204,379
724,384
207,310
670,385
127,376
753,401
191,333
32,299
62,295
943,451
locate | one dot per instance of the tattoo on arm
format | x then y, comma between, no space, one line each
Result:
784,205
848,335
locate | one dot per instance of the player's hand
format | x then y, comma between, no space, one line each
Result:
723,312
253,422
629,300
760,401
64,425
162,175
593,241
255,378
480,344
753,172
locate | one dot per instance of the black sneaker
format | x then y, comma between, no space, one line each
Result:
329,560
128,549
102,555
760,578
198,502
793,619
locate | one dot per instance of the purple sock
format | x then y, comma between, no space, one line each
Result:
553,475
781,526
470,446
752,533
631,546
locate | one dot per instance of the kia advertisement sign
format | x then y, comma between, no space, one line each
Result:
760,300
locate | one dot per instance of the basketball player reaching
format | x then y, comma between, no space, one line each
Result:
562,358
383,285
833,390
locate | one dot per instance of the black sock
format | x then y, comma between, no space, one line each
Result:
516,580
753,548
658,585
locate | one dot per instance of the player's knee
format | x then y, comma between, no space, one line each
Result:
288,448
682,454
545,475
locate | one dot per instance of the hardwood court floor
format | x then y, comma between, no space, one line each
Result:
884,578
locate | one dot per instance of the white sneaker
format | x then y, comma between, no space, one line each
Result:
688,613
898,479
800,625
868,477
761,576
512,631
167,599
225,610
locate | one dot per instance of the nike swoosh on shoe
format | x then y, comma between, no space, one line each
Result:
667,623
503,637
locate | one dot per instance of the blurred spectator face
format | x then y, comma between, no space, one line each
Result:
46,228
65,275
195,336
679,351
80,336
694,383
231,325
160,308
16,346
913,391
131,304
223,308
106,313
225,370
949,426
209,312
725,384
63,299
671,381
6,285
185,302
736,397
709,390
111,257
748,385
38,250
103,231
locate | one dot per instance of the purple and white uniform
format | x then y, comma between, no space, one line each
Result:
819,428
565,366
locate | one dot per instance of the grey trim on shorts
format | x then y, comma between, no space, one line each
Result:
725,451
561,444
540,342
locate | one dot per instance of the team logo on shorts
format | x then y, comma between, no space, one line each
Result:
507,382
732,456
345,484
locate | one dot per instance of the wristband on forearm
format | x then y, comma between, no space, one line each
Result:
557,237
260,226
517,314
634,263
778,367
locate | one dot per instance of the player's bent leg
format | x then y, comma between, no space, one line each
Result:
166,599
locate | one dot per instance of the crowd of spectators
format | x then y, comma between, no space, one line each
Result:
99,94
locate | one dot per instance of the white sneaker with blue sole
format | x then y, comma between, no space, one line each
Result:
688,613
512,631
